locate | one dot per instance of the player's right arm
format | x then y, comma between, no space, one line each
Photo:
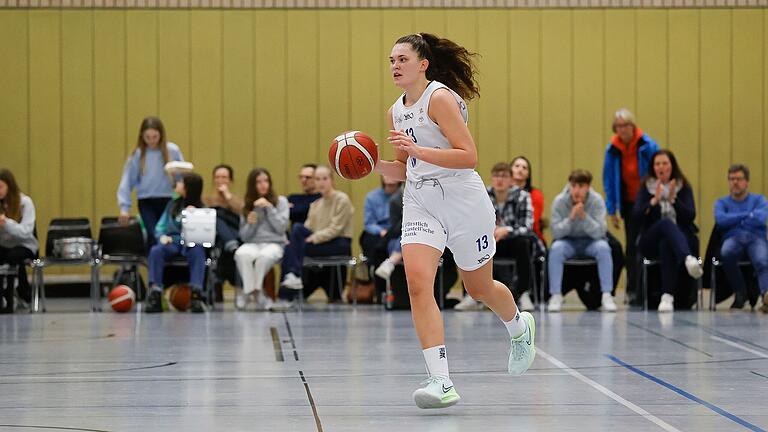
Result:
394,169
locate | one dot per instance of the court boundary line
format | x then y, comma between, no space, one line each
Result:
739,346
607,392
687,395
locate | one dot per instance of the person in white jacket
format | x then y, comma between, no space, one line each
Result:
17,232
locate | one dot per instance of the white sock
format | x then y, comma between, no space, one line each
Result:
436,360
515,326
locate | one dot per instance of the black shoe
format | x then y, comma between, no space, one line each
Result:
198,305
739,301
154,303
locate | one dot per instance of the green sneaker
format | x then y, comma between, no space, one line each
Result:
437,392
523,351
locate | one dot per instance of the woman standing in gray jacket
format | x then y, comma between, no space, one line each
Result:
262,229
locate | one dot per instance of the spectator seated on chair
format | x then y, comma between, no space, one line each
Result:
665,212
741,216
262,230
327,232
579,230
394,234
299,203
228,209
376,244
168,236
17,231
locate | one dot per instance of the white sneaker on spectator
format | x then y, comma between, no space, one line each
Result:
281,305
265,302
525,303
292,281
555,303
693,266
385,269
667,303
241,300
608,304
468,304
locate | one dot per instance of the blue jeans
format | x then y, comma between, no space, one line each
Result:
570,247
160,254
738,246
151,209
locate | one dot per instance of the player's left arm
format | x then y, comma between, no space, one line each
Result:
443,110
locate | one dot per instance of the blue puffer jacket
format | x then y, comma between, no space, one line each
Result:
646,148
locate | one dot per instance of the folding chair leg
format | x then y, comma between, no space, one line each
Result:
95,295
713,286
645,286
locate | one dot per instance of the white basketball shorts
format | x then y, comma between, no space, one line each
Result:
454,212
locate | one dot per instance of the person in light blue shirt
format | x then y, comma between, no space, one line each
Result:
144,171
376,245
741,216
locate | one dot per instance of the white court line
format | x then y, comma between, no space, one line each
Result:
648,416
740,346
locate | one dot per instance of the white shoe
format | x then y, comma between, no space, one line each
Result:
437,392
291,281
608,304
555,303
525,302
241,300
385,269
468,304
693,266
667,303
265,302
523,349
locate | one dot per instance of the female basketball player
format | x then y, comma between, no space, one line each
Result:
445,202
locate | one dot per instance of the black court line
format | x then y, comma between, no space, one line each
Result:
276,344
311,402
759,374
669,338
51,427
721,334
90,372
290,336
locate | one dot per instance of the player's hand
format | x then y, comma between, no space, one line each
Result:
383,233
2,220
401,141
165,239
252,218
310,239
657,195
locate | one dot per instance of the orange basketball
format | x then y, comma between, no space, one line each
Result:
121,298
180,297
353,155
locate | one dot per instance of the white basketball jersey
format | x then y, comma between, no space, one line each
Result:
416,123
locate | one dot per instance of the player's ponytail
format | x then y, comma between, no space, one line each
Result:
449,63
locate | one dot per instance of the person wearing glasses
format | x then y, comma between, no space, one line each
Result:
741,216
299,203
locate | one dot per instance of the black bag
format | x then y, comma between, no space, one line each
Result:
398,298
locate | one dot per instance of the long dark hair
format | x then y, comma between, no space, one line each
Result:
676,174
11,204
193,186
449,63
141,146
527,186
252,192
